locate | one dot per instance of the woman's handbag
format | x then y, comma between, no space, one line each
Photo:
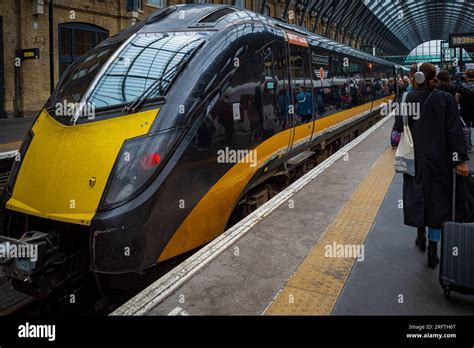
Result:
405,155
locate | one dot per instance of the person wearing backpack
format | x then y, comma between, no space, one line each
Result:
439,146
465,98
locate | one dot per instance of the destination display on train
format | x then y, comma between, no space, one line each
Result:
461,40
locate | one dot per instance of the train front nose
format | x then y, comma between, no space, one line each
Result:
65,169
53,196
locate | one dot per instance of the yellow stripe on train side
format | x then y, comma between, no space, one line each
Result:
54,178
220,199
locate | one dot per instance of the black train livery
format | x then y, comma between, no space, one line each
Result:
161,136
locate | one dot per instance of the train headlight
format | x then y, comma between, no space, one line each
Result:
139,162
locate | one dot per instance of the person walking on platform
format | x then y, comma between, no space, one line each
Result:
444,82
411,74
465,98
439,145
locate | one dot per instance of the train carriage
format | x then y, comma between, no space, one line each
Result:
163,135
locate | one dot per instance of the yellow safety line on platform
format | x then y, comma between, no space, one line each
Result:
10,146
317,283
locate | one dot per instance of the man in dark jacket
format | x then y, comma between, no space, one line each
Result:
439,146
465,98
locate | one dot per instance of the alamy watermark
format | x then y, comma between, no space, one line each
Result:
401,109
28,330
349,251
228,155
76,110
18,251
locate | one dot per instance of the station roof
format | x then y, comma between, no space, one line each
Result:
394,27
414,22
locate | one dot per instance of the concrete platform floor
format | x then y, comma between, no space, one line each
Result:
393,279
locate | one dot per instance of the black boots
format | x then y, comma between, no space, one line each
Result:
433,259
421,239
420,242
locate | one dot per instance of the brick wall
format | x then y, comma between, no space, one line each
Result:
10,22
34,33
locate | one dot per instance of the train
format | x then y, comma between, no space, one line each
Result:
163,135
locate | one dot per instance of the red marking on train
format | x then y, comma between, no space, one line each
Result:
297,40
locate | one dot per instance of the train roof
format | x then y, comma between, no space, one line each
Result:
214,17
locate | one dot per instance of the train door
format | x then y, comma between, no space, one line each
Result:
2,80
301,111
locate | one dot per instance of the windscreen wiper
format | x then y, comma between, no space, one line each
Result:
170,74
135,104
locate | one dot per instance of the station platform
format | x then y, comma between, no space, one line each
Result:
333,243
12,131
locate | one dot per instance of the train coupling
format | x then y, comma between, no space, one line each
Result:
22,258
34,262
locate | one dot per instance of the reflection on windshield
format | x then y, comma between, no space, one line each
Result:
80,77
145,60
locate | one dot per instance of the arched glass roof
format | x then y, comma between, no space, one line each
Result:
418,21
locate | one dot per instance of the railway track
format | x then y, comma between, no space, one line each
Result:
12,301
88,300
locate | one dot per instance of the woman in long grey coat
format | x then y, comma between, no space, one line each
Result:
440,146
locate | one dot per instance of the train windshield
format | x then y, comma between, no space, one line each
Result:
128,72
79,76
149,59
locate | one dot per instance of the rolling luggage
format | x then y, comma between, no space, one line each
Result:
456,271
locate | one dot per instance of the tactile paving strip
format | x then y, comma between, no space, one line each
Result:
317,283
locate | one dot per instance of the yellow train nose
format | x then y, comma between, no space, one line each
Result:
66,168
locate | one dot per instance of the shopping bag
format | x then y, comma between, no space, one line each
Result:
405,155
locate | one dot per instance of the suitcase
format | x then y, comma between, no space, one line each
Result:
456,271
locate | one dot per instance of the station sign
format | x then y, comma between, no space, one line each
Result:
29,53
319,60
461,40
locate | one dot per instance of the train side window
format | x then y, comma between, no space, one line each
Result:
270,88
282,89
355,84
269,70
235,119
322,80
301,94
332,93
